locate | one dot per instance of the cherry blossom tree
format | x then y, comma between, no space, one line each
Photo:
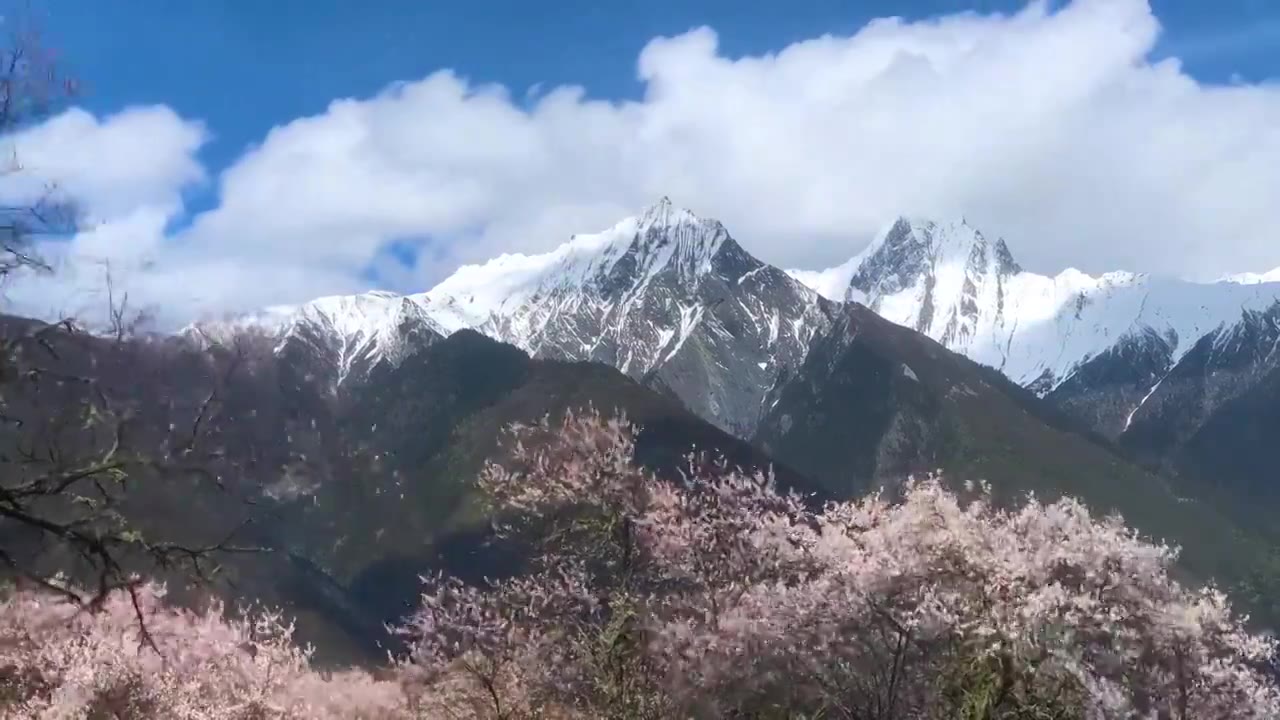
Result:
61,660
712,595
719,596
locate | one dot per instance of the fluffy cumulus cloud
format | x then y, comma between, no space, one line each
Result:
125,173
1053,128
139,157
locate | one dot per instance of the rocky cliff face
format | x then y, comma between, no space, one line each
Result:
1134,357
675,302
667,297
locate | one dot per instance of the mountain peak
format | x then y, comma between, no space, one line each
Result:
1252,278
664,214
911,244
1005,260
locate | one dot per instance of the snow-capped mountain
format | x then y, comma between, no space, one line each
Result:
666,296
1097,345
673,300
347,334
1250,278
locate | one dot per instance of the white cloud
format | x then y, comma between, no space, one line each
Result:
140,156
126,173
1051,128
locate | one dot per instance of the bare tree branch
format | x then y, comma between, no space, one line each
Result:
31,87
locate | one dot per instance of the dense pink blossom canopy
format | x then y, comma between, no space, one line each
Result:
712,596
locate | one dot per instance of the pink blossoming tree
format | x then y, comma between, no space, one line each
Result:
59,659
719,596
712,596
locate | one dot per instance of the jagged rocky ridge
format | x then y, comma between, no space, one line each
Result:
341,337
952,283
667,297
673,300
1111,350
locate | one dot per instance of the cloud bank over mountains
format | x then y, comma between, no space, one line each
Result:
1052,127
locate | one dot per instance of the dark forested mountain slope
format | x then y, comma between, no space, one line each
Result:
674,301
355,493
874,401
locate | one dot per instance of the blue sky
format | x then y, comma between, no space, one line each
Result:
244,66
1058,126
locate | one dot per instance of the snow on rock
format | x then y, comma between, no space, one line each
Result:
664,294
1250,278
516,297
670,296
358,331
952,283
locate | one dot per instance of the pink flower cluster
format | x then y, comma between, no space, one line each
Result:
148,660
711,596
719,596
